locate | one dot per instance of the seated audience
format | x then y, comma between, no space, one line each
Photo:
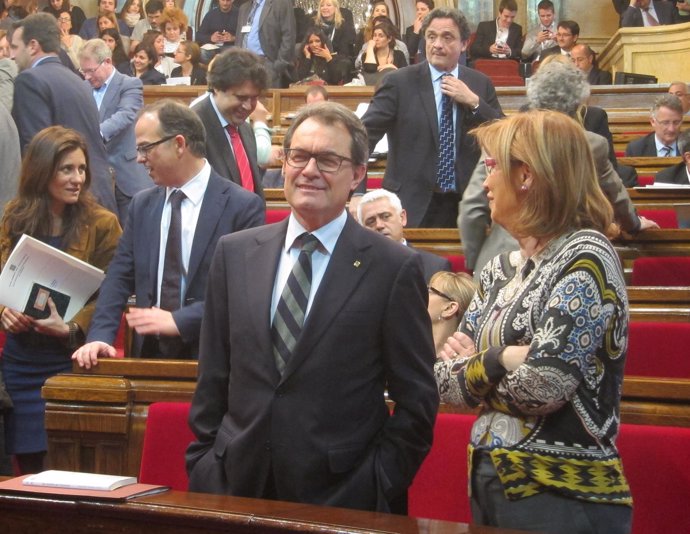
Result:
188,57
164,64
131,13
89,30
315,61
500,38
315,93
679,173
218,28
113,39
143,64
173,24
381,210
106,20
567,34
55,7
449,296
666,118
413,36
648,13
69,42
585,60
543,36
680,89
338,26
541,348
154,10
379,8
380,54
399,45
54,205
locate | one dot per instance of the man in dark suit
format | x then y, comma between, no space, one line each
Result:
680,173
500,38
119,98
567,34
236,79
407,107
381,211
46,94
293,408
169,238
666,119
585,60
267,28
648,13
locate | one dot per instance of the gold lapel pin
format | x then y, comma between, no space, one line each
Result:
357,263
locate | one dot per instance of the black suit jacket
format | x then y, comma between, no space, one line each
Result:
596,120
676,174
404,107
597,76
322,428
226,208
665,11
218,150
644,146
486,36
50,95
431,263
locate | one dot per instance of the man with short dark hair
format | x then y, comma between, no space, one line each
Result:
666,117
307,323
171,232
585,60
218,28
236,79
118,98
500,38
679,173
424,108
646,13
46,93
567,34
543,36
89,30
154,10
381,211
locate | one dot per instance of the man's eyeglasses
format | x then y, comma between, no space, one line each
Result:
439,293
89,72
666,124
143,150
325,162
563,35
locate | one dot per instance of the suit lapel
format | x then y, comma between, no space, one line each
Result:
264,12
221,143
351,259
426,91
153,222
109,96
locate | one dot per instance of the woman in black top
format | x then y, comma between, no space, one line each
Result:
188,56
143,65
339,27
380,54
316,59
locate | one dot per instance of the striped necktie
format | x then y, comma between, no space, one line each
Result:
292,306
445,167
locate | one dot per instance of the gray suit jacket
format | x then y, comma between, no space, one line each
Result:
665,11
482,240
226,208
218,150
123,99
642,147
11,158
404,107
49,95
676,174
322,429
276,30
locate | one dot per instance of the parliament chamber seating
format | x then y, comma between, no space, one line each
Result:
658,349
667,218
503,72
645,180
661,271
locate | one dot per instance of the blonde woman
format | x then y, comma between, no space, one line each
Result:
449,296
338,26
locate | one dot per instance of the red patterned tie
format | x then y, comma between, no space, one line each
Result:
241,158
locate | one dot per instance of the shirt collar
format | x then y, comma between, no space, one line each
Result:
106,83
195,188
436,74
327,235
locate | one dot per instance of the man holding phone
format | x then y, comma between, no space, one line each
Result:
499,39
543,36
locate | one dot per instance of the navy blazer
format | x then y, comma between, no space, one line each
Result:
322,429
642,147
218,151
597,76
404,108
49,95
226,208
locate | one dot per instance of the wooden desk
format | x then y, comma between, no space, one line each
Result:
183,513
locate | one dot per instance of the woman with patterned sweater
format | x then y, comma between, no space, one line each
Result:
542,345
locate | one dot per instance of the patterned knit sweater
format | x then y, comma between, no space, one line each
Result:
551,424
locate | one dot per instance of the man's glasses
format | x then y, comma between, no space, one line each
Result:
143,150
325,162
435,291
89,72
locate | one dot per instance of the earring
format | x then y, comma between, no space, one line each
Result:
439,318
524,188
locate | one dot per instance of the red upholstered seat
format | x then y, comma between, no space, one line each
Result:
374,183
645,180
656,462
165,442
439,490
661,271
274,215
457,263
658,350
664,218
503,72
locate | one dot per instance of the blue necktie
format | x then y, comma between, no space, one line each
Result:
445,169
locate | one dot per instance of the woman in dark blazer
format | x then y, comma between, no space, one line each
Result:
188,56
315,59
338,25
143,65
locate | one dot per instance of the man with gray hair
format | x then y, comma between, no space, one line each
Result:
46,93
557,86
666,117
307,322
680,89
118,98
381,211
171,232
680,173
